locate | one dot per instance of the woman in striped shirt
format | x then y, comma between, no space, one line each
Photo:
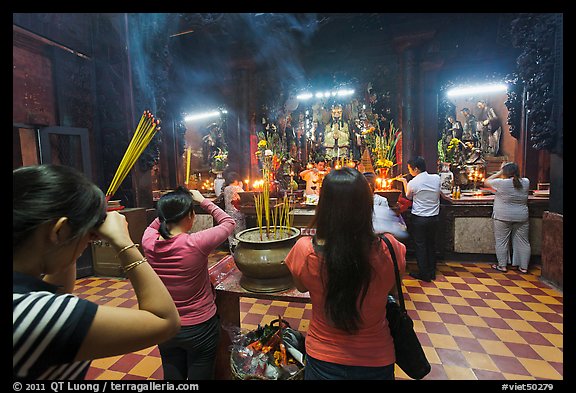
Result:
57,211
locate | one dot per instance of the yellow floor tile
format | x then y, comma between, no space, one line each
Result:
506,297
124,284
399,374
259,308
520,325
443,285
249,326
419,326
418,297
539,307
94,283
280,303
444,308
479,288
509,336
409,305
547,299
117,293
146,351
532,277
266,319
147,366
497,304
552,292
454,279
110,375
555,339
530,316
486,312
432,291
474,269
550,354
468,294
459,373
489,281
431,355
517,290
456,301
495,348
303,326
459,330
443,341
558,326
480,361
517,377
525,284
93,290
105,363
292,312
94,298
540,369
429,316
473,320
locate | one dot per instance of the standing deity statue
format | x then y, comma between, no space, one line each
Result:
489,127
336,135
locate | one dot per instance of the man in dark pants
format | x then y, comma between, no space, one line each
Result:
424,191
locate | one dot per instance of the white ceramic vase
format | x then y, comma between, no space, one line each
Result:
218,183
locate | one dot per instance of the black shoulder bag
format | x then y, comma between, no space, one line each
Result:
410,356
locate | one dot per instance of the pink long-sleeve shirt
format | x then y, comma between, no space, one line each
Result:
181,262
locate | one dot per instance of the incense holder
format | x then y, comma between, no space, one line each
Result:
261,260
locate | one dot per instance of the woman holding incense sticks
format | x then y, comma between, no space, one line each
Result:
181,260
232,188
349,272
56,212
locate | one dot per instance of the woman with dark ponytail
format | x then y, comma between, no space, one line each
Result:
349,273
181,260
56,212
510,217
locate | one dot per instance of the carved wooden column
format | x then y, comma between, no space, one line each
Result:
412,105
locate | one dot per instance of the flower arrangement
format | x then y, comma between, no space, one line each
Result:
384,148
454,153
220,161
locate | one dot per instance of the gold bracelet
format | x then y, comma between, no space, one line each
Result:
126,248
132,265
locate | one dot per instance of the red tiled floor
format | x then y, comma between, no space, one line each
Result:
473,323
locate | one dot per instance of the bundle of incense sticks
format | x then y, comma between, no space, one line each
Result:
145,131
188,153
399,176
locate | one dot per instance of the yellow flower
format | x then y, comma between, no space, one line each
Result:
262,144
384,163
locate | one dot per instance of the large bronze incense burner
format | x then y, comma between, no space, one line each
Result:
262,261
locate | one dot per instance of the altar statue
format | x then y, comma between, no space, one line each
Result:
336,135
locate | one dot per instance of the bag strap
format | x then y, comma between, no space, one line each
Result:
396,272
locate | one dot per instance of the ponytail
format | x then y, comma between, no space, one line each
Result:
510,170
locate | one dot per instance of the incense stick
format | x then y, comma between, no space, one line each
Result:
145,131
